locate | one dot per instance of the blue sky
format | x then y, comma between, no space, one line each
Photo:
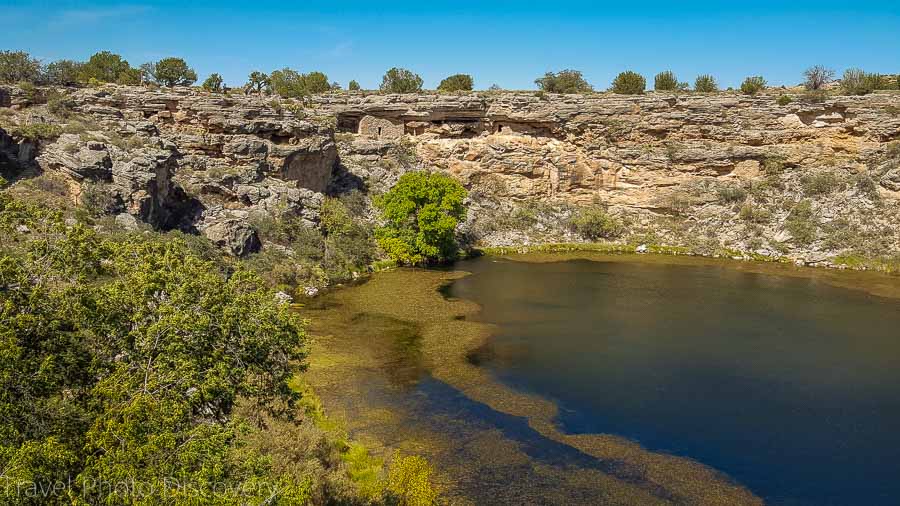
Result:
503,42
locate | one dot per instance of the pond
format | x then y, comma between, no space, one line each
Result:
623,380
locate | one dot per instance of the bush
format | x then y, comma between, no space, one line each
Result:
98,199
62,72
258,81
36,131
665,81
353,86
753,214
458,82
18,66
108,67
859,82
817,77
564,81
213,83
398,80
753,85
420,214
594,223
801,223
629,83
819,184
291,84
170,72
731,193
784,100
705,84
60,104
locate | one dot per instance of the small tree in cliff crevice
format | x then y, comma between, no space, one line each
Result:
421,213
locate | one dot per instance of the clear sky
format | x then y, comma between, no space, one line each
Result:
503,42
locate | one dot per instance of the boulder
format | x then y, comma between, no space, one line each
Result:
234,236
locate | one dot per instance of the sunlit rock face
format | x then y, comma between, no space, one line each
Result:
686,168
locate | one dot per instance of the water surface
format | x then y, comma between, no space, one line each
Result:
789,385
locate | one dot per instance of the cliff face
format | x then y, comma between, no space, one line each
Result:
812,180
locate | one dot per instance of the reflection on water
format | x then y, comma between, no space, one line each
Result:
790,385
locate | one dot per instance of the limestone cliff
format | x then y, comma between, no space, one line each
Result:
810,180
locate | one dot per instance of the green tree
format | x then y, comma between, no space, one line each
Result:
108,67
291,84
213,83
125,358
564,81
62,72
18,66
457,82
353,86
705,84
594,223
170,72
629,83
421,213
753,85
397,80
258,80
665,81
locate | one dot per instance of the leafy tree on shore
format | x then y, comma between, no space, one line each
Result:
705,84
457,82
398,80
564,81
629,83
109,67
170,72
421,213
18,66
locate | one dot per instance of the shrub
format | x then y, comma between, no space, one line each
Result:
18,66
665,81
457,82
817,77
594,223
629,83
258,80
784,100
291,84
98,199
36,131
420,214
705,84
819,184
731,193
753,85
398,80
858,82
213,83
753,214
170,72
564,81
108,67
353,86
801,223
814,96
62,72
60,104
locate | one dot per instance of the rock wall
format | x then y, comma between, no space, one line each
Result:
188,159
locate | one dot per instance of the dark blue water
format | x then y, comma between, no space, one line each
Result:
791,386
